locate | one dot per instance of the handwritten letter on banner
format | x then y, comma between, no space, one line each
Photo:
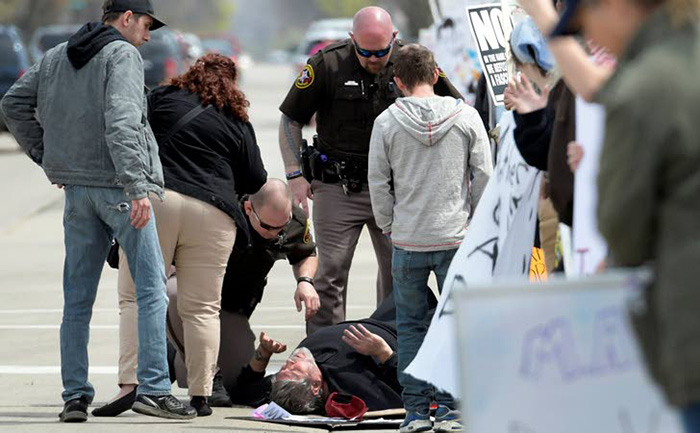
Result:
556,358
498,242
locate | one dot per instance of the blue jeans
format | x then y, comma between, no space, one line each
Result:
92,216
691,418
410,272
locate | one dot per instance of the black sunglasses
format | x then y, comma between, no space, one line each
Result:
377,53
267,226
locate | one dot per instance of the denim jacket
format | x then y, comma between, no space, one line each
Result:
87,126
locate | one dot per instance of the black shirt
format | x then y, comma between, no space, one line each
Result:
213,158
343,369
345,97
250,262
542,137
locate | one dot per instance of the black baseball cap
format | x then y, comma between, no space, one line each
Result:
567,24
136,6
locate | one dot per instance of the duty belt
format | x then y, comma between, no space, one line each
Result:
348,169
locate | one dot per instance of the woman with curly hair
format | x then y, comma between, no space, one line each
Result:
210,156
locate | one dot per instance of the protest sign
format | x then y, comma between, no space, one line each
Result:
455,52
589,248
490,29
498,242
556,357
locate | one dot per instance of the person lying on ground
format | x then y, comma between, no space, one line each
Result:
354,357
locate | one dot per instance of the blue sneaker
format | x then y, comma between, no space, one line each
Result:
416,422
447,420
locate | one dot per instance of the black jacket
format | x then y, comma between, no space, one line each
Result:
542,138
213,158
343,369
250,262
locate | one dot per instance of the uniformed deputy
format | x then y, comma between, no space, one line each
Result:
277,230
347,85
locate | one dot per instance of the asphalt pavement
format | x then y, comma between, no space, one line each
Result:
31,261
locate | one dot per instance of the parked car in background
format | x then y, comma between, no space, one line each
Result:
14,61
219,46
216,44
162,58
47,37
191,47
229,48
320,34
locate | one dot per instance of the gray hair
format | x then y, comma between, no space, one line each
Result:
296,397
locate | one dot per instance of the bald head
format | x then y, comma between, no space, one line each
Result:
270,209
274,194
371,20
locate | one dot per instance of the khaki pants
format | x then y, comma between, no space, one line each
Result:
199,238
338,222
237,341
549,224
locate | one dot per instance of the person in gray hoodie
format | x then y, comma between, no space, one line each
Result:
80,114
429,162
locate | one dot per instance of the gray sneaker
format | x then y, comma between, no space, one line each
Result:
163,406
447,420
416,422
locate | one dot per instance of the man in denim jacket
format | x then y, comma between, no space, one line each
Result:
80,114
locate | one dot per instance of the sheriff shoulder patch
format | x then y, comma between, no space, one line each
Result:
307,232
305,78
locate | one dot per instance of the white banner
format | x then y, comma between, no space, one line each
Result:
589,247
556,358
498,242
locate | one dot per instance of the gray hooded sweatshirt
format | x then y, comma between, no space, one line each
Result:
429,162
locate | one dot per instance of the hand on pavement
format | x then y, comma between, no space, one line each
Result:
522,97
301,190
367,343
140,212
306,293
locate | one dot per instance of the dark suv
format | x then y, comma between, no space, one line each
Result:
13,60
162,58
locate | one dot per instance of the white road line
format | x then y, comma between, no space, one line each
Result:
103,370
114,310
55,310
53,369
45,327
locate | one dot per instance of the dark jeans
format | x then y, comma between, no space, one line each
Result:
691,418
410,272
